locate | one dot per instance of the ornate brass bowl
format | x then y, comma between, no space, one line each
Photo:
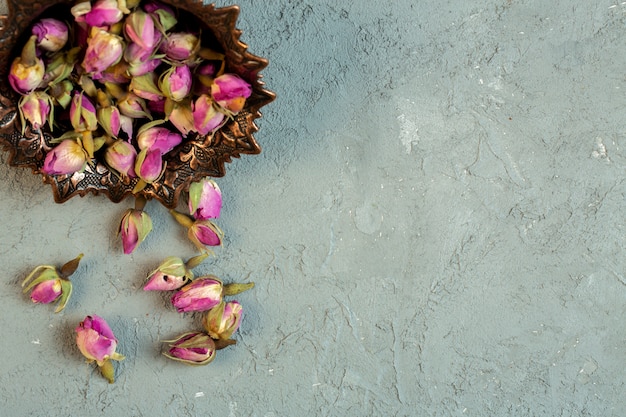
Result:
195,158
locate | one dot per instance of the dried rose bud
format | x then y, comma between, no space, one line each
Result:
126,126
48,284
83,113
27,70
230,92
205,233
51,34
66,158
133,106
109,119
206,118
175,83
139,28
181,117
35,108
101,13
149,165
194,348
170,275
205,200
121,157
145,87
158,139
96,342
134,228
163,15
200,295
103,51
180,46
223,320
62,93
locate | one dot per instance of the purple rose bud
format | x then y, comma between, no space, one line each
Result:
48,284
205,200
230,92
66,158
222,321
206,118
158,139
163,15
96,342
103,51
149,165
175,83
134,228
193,348
35,108
121,156
102,13
180,46
83,113
204,233
170,275
51,34
27,70
200,295
139,28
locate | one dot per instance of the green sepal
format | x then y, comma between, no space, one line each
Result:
181,218
49,272
107,370
66,293
141,184
70,267
195,261
222,343
234,289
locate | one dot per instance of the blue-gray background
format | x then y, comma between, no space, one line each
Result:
435,227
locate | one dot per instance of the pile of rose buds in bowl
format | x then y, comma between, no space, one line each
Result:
123,84
205,294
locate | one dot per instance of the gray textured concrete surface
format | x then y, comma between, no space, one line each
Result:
435,227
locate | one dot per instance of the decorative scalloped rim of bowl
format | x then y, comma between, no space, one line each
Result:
194,159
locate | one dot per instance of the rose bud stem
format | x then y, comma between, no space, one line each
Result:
221,344
195,261
107,370
70,267
140,202
181,218
234,289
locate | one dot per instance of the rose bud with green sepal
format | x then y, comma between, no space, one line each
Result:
172,274
223,320
66,158
103,51
206,118
205,200
35,108
48,284
193,348
135,226
52,34
101,13
230,92
120,156
27,70
96,342
175,82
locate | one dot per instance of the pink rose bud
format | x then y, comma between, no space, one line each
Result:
163,15
66,158
134,228
206,118
27,70
200,295
109,119
222,321
126,126
51,34
180,46
139,28
149,165
230,92
140,68
158,139
83,113
170,275
48,284
102,13
133,106
145,87
103,51
35,108
205,200
121,157
175,83
204,233
194,348
96,342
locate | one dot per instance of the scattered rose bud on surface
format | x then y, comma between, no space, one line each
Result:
205,200
172,274
48,284
134,228
194,348
200,295
205,233
223,320
96,342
